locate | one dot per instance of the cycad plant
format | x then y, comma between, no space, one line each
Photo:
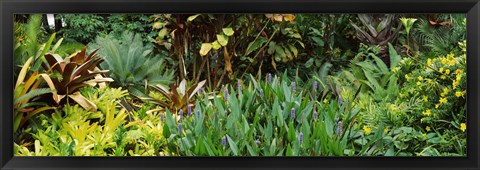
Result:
378,30
131,62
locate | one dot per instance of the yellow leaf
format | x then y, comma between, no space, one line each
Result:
23,72
206,47
289,17
84,102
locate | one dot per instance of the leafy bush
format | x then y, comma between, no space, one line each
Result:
131,63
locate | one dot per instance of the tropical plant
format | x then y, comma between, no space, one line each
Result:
375,75
81,28
74,72
28,43
379,30
27,93
440,33
131,63
177,98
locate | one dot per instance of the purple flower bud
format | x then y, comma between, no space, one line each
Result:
224,140
225,94
339,128
340,100
300,137
189,110
198,113
269,78
315,114
292,113
200,90
162,117
294,87
180,114
315,86
180,128
257,142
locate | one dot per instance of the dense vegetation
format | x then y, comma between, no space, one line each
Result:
240,85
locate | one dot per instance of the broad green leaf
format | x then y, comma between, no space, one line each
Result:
293,49
394,57
228,31
255,45
162,33
216,45
318,41
222,39
232,145
383,67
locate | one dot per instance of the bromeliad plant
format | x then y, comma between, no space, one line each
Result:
379,30
72,73
27,95
177,97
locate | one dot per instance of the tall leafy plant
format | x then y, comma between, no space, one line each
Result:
131,63
375,75
72,73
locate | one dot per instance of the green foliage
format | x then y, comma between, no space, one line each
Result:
375,75
336,96
434,37
82,28
29,43
130,62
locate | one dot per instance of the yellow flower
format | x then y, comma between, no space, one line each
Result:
445,92
447,71
425,98
428,128
429,62
424,134
454,84
443,100
367,130
450,55
459,94
437,105
443,77
440,70
420,78
427,112
325,101
451,62
463,127
418,83
458,71
407,77
429,81
443,60
459,77
385,130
